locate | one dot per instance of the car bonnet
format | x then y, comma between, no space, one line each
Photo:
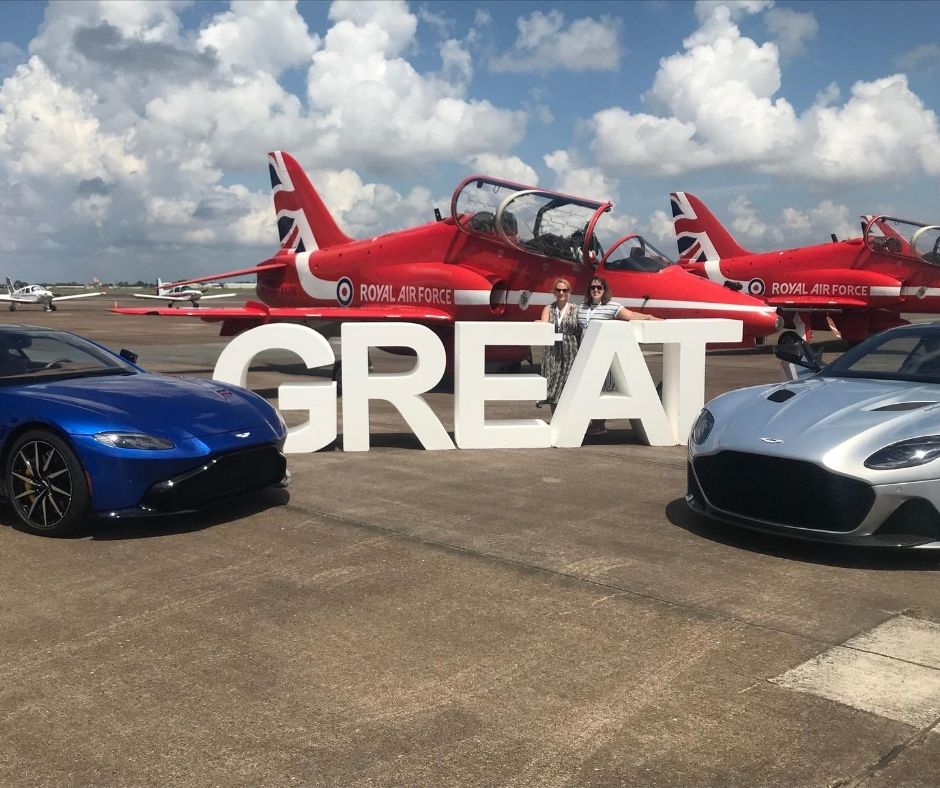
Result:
824,413
146,402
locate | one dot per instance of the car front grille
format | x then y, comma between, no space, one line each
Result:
778,490
225,476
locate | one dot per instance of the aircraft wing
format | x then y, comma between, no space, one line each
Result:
76,295
818,302
162,297
254,310
219,295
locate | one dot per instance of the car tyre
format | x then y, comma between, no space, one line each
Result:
46,485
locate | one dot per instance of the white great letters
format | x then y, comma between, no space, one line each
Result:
607,345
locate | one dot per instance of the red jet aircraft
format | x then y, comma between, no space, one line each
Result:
496,257
854,288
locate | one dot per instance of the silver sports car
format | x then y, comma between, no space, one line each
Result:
847,453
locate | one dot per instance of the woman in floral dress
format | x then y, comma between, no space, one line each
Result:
558,359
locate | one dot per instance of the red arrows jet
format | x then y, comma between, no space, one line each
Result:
854,288
496,257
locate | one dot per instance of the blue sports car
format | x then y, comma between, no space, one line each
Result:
85,432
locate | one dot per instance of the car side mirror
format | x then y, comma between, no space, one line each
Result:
128,355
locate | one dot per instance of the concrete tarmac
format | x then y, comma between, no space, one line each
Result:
551,617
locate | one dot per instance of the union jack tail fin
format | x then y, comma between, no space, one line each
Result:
699,235
10,286
303,221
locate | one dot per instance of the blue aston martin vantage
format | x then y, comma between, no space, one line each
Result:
85,432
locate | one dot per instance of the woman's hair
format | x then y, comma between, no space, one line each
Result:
605,297
564,282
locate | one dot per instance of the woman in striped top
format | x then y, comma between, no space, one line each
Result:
599,305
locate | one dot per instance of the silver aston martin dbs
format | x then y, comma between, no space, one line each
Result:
846,453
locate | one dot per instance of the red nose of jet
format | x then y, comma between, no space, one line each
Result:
684,294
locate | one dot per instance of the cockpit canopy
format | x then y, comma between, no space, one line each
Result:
533,220
887,235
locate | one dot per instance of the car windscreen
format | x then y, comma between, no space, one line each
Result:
909,356
40,356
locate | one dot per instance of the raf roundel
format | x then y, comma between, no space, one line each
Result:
344,291
756,287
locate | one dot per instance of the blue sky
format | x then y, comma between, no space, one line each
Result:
133,135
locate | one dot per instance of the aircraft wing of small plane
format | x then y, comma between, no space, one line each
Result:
75,295
255,310
182,297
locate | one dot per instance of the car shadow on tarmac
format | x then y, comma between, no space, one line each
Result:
680,515
168,525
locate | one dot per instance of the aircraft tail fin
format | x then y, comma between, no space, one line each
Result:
303,221
10,286
699,235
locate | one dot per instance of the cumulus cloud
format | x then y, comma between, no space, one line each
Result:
511,168
123,125
791,30
922,58
715,105
372,106
548,41
265,36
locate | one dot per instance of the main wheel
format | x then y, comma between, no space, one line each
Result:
13,307
53,307
46,484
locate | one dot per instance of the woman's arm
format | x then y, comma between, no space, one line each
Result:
629,314
545,313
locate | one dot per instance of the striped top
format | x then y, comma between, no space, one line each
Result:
607,311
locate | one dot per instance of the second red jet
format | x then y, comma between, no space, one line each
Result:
854,288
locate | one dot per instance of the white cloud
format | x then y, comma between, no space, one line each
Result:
791,30
49,130
705,9
716,106
263,35
373,107
511,168
548,41
922,58
745,222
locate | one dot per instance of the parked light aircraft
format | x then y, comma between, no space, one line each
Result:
495,257
36,294
854,288
175,294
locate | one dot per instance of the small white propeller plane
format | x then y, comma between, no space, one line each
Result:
174,295
36,294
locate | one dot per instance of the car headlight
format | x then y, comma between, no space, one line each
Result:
702,427
133,440
905,454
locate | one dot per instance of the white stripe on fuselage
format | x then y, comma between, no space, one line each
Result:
713,271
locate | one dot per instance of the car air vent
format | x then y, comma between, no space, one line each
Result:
903,406
781,395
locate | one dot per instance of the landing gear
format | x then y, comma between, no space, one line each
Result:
13,307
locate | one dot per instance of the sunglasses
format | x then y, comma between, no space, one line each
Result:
562,290
597,287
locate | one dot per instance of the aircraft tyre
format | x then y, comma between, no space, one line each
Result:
53,307
13,307
49,498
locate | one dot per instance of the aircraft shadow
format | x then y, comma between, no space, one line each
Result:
851,557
